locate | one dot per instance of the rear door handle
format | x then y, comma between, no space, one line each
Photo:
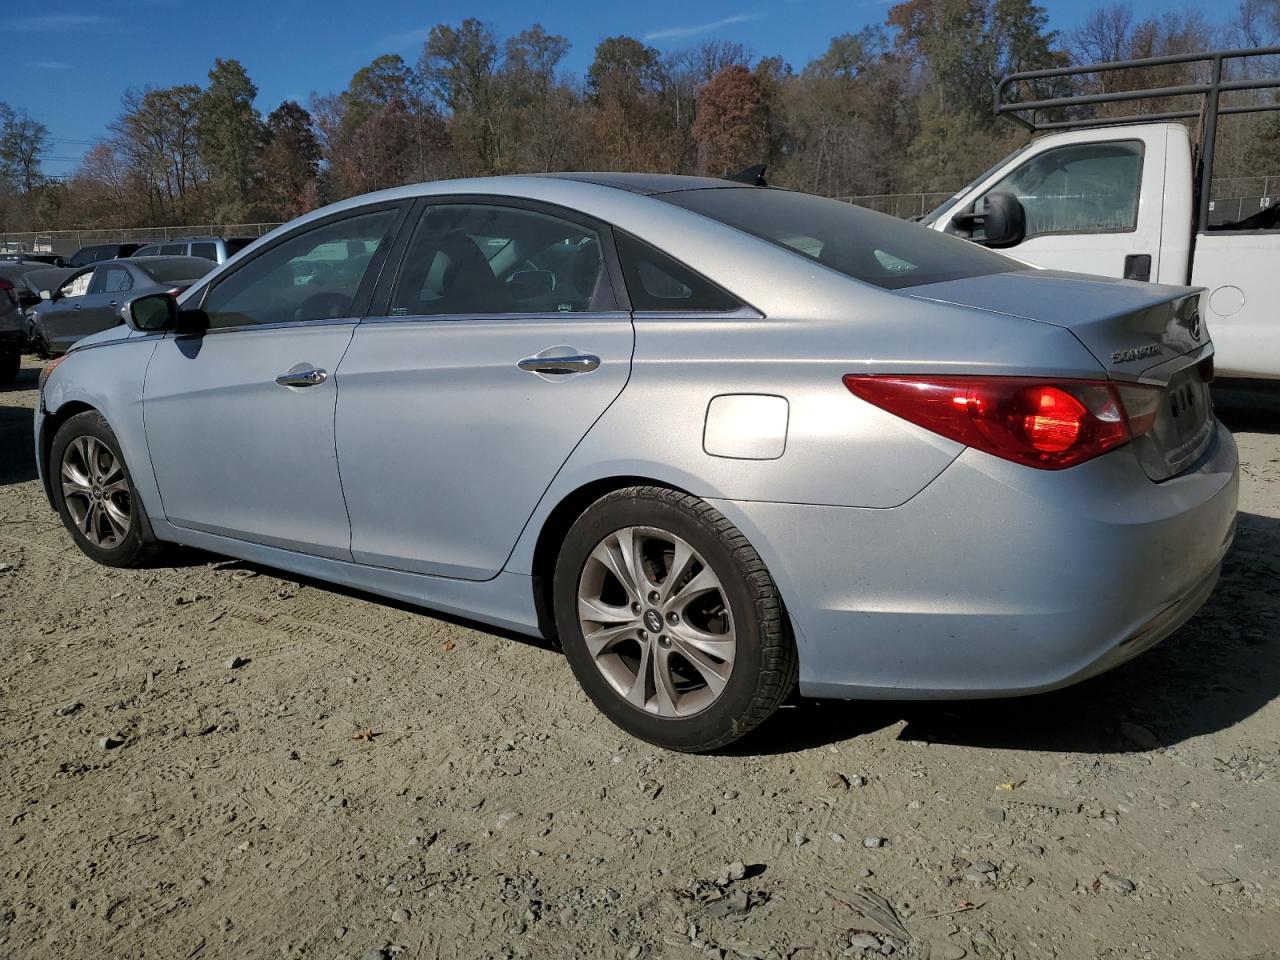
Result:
560,366
302,378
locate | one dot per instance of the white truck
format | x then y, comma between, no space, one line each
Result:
1130,197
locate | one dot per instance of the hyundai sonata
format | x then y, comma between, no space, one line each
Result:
718,439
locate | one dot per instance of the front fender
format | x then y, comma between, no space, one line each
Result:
109,378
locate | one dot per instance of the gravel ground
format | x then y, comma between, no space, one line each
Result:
211,760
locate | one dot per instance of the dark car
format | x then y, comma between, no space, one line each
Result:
89,300
49,259
101,251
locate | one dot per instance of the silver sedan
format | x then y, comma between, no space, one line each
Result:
720,440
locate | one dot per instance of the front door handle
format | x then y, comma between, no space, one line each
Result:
560,366
302,378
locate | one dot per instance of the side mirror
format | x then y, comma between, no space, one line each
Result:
1004,221
46,294
151,313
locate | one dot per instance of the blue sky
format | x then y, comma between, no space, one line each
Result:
68,61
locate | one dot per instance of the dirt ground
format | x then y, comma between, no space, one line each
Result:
156,801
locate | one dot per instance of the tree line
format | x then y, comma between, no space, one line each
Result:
902,107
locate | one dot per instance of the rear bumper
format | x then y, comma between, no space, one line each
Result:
997,579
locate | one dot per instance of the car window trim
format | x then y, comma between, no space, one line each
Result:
364,293
381,303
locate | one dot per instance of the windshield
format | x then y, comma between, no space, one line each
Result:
859,243
940,209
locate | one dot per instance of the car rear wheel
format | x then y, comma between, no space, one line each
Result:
670,620
95,495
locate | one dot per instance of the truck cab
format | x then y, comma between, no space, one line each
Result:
1129,199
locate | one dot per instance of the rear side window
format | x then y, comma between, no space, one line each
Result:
209,251
117,279
151,251
656,282
489,259
867,246
173,250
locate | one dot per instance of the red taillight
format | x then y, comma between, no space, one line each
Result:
1050,425
7,287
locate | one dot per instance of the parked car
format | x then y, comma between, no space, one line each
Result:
217,249
89,300
98,252
29,286
1123,198
49,259
13,331
714,437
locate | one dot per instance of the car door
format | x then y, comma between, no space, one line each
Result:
99,309
57,319
501,341
1091,207
239,420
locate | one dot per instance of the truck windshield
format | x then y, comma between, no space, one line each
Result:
933,215
859,243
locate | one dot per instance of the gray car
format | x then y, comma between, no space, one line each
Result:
717,439
89,300
217,249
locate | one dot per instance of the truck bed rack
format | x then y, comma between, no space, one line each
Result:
1208,112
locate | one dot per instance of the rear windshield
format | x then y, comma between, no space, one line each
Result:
867,246
168,271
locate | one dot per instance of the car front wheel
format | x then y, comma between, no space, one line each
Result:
94,493
670,620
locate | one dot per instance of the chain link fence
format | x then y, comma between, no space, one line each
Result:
66,242
902,205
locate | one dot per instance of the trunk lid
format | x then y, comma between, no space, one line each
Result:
1137,331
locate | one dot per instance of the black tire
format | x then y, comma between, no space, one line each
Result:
765,667
10,364
137,544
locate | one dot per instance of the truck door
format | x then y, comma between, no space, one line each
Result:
1093,202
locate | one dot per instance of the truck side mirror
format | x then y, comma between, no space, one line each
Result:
1004,221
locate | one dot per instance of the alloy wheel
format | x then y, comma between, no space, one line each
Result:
656,621
96,492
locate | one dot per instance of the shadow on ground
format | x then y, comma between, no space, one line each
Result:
1248,406
17,448
1221,667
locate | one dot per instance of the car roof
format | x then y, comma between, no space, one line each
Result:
201,262
649,184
